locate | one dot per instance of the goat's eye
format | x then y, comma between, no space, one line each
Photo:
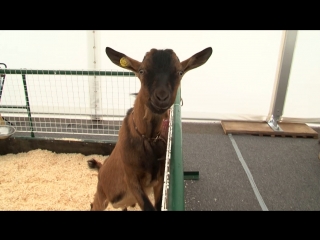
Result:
180,73
141,71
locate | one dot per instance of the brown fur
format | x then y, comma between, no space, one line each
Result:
136,165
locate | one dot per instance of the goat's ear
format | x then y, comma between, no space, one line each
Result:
196,60
122,60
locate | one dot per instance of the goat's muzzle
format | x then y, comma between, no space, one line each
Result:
160,101
155,108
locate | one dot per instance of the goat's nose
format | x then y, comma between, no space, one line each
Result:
162,96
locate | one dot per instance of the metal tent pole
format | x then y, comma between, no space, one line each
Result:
282,78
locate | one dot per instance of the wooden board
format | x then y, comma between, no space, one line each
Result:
23,144
263,129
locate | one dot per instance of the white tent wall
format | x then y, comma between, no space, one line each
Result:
302,102
44,49
235,84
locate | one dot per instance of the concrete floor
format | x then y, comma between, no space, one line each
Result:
249,173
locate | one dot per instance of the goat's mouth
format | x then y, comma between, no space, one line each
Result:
157,109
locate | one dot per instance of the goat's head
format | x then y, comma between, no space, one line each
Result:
160,73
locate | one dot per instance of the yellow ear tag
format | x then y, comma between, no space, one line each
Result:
123,62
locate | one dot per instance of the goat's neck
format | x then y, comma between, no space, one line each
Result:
148,123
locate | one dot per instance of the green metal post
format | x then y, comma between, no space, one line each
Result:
176,183
27,103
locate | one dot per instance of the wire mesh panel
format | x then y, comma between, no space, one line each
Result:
166,180
68,102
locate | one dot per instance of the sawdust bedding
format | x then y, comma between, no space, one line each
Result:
44,180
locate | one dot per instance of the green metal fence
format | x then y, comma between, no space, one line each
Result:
175,198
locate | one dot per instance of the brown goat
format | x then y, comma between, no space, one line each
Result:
136,164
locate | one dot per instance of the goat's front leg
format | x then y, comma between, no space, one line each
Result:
157,190
100,201
141,197
137,191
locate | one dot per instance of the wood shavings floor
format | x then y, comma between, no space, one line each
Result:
44,180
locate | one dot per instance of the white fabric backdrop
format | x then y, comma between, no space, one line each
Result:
235,84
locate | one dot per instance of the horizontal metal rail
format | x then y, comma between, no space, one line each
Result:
12,106
66,72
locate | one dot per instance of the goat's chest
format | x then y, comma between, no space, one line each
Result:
148,152
148,159
152,155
